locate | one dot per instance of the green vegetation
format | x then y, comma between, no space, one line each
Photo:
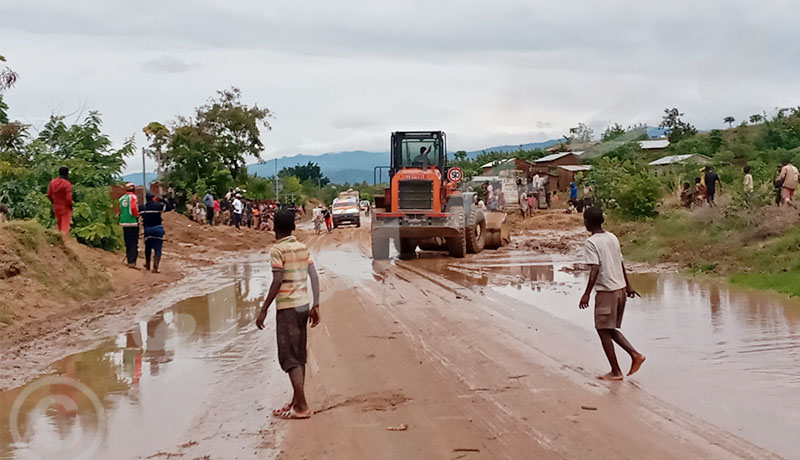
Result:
755,245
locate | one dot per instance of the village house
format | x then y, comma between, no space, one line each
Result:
509,164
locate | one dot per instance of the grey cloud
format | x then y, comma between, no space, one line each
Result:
169,64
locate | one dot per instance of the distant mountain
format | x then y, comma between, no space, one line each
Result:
358,166
136,178
514,148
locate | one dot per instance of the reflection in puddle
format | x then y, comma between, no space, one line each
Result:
146,380
708,344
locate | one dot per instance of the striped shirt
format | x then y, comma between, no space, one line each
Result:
292,257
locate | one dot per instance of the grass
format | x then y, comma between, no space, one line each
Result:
757,249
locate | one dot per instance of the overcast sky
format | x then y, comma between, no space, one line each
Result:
343,75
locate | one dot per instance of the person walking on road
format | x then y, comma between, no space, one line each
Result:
326,214
208,200
153,231
788,178
59,192
610,281
238,209
128,220
291,267
711,181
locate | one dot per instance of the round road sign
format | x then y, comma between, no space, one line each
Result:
455,174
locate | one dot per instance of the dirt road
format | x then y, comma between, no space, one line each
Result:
427,358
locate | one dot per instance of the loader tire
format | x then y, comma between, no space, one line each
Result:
476,231
457,245
407,246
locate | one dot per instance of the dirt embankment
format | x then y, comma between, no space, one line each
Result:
48,282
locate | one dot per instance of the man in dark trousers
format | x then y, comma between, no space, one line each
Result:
208,200
712,179
129,221
153,231
59,192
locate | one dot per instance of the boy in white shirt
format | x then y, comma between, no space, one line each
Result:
610,281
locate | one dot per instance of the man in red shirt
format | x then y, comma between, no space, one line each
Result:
60,194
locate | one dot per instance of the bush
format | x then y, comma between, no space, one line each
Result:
93,220
628,190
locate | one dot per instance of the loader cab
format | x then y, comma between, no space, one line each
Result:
419,150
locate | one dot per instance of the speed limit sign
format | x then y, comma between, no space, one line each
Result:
455,174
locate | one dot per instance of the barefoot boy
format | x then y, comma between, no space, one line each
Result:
291,266
610,281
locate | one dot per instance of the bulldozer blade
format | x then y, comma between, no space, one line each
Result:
497,232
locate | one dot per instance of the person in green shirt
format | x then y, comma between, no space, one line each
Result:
129,221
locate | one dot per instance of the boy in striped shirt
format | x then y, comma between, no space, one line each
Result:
291,267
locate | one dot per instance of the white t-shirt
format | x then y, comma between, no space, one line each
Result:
603,249
237,206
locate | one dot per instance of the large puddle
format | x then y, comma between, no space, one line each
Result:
729,355
141,388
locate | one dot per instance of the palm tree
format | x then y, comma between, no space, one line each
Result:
729,120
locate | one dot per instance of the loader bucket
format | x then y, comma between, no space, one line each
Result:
497,231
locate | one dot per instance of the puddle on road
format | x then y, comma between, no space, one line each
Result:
729,355
138,389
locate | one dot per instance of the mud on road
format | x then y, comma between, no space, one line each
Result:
484,357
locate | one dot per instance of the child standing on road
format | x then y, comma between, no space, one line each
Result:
291,266
610,281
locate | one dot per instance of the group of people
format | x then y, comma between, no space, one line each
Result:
130,214
235,210
706,185
321,214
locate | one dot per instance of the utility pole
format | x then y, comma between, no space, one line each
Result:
275,179
144,178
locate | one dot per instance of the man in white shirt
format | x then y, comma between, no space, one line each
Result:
610,281
238,208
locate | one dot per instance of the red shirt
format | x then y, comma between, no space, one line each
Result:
60,194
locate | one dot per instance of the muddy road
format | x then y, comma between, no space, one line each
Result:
486,357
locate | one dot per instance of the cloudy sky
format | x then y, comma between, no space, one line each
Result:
342,75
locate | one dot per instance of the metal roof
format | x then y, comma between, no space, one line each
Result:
675,159
576,168
654,144
494,163
553,157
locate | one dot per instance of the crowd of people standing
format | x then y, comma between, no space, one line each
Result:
234,210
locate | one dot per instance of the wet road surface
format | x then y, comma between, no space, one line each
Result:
197,378
729,355
156,389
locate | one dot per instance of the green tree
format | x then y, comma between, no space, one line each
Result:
756,118
580,134
613,132
235,129
310,171
7,76
215,145
729,120
677,129
460,156
158,136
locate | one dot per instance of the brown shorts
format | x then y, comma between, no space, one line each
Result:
291,326
787,193
609,307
